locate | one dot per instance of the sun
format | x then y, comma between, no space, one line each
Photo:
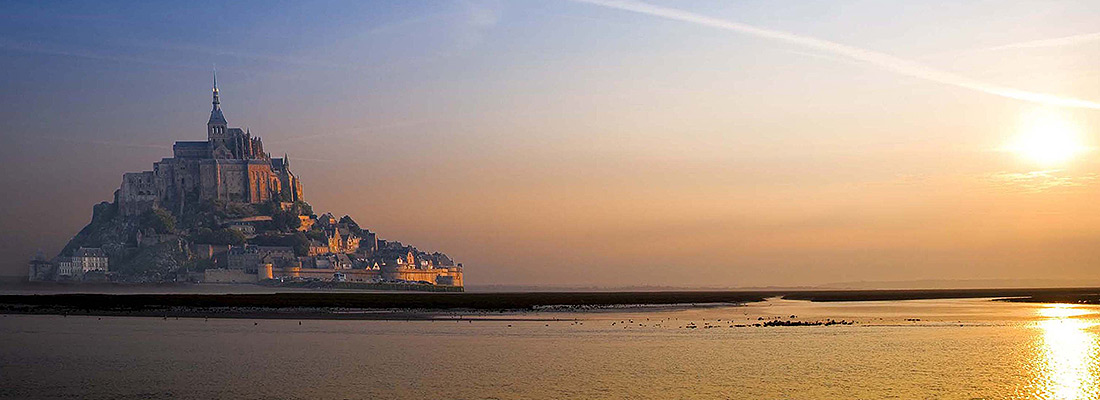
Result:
1048,140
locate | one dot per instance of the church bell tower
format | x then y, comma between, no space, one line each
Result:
217,130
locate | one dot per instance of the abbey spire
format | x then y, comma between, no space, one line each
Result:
216,117
216,127
217,102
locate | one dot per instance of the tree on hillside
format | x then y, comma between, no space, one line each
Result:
297,240
221,236
317,234
285,221
159,220
303,208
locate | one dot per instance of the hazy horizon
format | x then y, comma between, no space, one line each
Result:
602,143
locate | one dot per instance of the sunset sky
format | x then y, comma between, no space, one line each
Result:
702,143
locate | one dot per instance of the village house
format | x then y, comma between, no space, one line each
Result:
83,261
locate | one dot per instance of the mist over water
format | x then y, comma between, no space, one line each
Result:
960,349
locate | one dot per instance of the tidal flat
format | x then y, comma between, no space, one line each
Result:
409,306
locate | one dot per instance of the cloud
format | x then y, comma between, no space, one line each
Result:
881,60
1056,42
53,50
410,24
97,142
1039,181
348,132
221,52
316,160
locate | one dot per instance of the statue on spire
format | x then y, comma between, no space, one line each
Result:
217,103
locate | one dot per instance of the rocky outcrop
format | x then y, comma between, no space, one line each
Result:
107,230
156,246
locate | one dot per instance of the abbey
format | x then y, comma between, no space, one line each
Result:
230,165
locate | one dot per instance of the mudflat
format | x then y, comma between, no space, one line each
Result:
342,305
346,305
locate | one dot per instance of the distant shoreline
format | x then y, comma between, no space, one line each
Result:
465,306
1041,295
344,305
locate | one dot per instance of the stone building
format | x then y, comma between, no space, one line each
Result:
250,258
230,165
90,259
341,241
83,261
339,237
345,235
317,248
66,269
40,268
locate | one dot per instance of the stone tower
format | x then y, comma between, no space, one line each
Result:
217,129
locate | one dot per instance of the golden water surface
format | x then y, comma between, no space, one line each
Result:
942,349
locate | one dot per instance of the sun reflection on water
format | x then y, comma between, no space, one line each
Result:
1068,351
1063,311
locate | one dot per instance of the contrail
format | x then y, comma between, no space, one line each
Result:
1056,42
884,61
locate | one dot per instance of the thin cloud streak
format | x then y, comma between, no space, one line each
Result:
41,48
97,142
316,160
1039,181
350,131
884,61
1056,42
221,52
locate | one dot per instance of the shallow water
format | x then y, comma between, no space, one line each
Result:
959,349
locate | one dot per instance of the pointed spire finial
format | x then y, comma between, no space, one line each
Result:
216,100
216,117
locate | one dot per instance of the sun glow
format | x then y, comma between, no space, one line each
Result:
1048,139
